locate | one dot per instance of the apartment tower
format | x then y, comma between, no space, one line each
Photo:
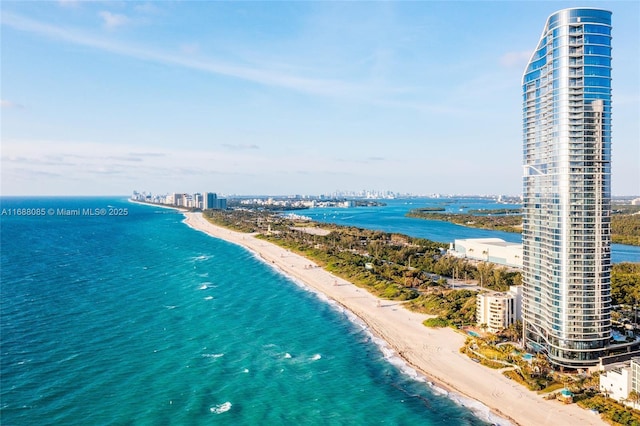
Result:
566,189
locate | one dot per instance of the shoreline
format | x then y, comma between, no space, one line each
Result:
162,206
432,352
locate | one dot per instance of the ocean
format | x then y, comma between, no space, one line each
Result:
114,313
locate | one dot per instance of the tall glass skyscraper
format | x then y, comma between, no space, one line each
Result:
566,189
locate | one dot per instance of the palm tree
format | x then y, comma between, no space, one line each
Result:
513,332
634,398
542,363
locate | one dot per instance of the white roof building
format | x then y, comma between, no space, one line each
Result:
494,250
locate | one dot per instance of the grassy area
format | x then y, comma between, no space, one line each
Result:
491,353
551,388
516,377
453,307
611,410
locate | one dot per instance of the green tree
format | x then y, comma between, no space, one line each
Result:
625,283
634,397
484,271
513,332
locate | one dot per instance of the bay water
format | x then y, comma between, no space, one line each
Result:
392,218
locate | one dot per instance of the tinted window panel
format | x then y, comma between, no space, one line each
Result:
597,60
597,82
597,29
597,50
597,39
597,71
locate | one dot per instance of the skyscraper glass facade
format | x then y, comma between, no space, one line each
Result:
566,188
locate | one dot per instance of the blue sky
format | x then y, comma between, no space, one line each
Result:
283,97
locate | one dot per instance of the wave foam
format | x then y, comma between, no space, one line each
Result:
481,410
221,408
390,355
438,389
200,258
212,355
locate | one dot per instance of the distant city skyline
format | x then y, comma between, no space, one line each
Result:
283,98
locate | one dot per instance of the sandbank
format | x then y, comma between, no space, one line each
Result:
434,352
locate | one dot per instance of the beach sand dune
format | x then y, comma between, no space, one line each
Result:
433,352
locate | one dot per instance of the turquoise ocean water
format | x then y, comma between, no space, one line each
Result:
136,319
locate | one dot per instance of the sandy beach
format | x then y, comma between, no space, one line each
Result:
433,352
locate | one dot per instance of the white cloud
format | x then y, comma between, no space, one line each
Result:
76,168
257,75
113,20
360,90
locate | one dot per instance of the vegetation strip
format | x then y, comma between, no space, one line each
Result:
625,221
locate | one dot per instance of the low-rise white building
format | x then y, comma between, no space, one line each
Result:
635,374
616,383
498,310
494,250
619,382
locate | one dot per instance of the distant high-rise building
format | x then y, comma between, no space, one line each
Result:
566,189
211,201
198,201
